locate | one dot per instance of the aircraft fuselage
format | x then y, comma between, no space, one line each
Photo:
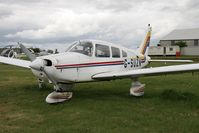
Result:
72,67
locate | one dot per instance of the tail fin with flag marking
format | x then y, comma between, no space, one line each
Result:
144,47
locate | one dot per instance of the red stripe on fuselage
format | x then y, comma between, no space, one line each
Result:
88,64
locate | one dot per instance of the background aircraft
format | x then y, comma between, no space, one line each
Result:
94,60
9,51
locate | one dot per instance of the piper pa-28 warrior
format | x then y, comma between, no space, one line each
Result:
93,60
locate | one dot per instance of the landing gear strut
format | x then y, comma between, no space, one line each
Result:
61,93
41,83
137,89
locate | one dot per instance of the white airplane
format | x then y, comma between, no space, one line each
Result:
93,60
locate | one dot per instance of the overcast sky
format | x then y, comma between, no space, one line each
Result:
57,23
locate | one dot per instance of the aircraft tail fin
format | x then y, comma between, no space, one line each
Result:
27,52
144,47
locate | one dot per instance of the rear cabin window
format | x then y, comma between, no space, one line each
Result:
102,51
115,52
124,54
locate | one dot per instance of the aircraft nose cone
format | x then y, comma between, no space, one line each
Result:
37,64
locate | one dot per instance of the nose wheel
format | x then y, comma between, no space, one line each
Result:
61,93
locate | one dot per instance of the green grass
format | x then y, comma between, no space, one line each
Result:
170,105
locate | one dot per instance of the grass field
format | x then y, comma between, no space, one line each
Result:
170,105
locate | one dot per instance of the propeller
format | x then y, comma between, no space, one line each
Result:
38,64
45,65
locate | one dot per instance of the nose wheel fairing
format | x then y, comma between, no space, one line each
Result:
61,93
58,97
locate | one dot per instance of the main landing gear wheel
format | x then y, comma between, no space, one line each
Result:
63,92
137,89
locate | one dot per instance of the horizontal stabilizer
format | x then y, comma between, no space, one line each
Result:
188,61
15,62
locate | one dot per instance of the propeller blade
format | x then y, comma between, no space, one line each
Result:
27,52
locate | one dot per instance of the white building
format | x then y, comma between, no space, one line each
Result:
164,50
190,36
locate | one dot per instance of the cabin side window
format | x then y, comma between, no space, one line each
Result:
102,50
124,54
115,52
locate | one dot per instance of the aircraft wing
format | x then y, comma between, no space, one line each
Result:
16,62
148,71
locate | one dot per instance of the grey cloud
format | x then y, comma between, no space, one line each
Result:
114,5
48,22
5,11
193,4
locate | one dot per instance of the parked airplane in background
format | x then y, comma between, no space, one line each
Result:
9,51
93,60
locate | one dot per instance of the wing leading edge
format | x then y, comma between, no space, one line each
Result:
148,71
16,62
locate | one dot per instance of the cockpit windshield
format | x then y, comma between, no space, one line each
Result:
70,46
84,47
